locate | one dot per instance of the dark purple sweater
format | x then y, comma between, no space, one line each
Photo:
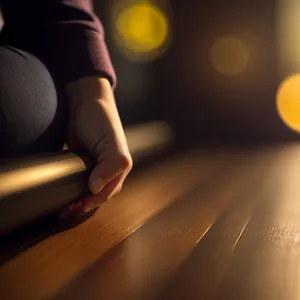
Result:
65,34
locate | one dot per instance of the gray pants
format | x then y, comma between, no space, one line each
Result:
32,114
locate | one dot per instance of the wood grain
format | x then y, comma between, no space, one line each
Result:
48,266
200,225
266,263
144,261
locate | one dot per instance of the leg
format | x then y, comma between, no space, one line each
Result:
31,117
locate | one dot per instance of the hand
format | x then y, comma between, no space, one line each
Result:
96,127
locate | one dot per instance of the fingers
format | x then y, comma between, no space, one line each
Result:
107,170
105,181
106,193
93,201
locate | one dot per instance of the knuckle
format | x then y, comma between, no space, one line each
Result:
125,162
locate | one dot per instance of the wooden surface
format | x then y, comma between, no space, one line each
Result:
199,225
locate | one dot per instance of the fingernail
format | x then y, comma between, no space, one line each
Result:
97,185
89,207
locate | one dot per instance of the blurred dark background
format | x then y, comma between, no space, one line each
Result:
177,79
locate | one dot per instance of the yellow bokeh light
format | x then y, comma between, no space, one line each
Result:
142,30
288,102
229,55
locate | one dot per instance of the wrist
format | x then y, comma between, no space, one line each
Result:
89,89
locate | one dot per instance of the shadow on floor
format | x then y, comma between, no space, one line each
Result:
19,241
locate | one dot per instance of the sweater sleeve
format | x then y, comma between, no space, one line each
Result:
65,34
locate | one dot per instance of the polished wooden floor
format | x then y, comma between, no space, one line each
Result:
218,224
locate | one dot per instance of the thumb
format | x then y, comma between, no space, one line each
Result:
105,172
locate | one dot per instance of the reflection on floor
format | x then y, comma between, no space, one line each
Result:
214,224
